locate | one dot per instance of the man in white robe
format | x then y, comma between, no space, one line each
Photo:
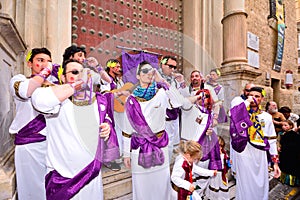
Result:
252,135
145,138
168,65
236,101
199,124
28,127
75,119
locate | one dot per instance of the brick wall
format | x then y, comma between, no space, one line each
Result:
149,25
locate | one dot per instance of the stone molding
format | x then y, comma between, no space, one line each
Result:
11,34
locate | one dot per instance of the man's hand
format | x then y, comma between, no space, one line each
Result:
209,132
127,162
178,77
125,93
250,99
92,62
78,85
192,188
105,131
277,171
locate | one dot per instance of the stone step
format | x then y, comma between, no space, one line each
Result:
116,184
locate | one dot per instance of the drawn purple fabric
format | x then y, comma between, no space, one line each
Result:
30,132
239,124
62,188
210,146
54,72
222,117
162,85
173,114
131,61
110,106
113,85
150,154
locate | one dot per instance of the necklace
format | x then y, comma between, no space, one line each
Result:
83,102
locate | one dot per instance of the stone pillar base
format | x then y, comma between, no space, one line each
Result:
8,176
234,77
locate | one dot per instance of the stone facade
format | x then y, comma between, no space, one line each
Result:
257,23
253,17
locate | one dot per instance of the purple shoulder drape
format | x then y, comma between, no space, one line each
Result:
30,132
131,61
239,124
62,188
150,154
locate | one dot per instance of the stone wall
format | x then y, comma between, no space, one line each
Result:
258,24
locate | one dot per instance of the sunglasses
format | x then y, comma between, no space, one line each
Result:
146,70
172,66
247,90
74,72
206,96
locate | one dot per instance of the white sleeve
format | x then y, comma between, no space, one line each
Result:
184,91
270,131
127,139
201,171
45,101
176,99
96,78
236,101
19,86
177,174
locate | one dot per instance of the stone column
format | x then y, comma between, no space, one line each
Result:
235,70
59,23
202,41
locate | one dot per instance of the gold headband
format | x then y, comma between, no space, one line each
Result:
111,64
28,56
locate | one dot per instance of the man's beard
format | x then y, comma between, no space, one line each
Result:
195,83
273,111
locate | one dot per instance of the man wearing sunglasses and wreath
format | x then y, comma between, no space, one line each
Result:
168,66
80,135
145,137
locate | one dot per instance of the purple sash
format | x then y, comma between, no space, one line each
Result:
150,154
61,188
210,145
172,114
30,132
113,85
217,89
222,117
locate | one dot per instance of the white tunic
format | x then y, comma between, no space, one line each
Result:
155,180
30,159
178,175
72,139
118,116
192,130
251,166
